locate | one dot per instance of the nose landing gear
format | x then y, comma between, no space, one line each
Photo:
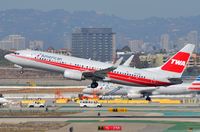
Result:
21,71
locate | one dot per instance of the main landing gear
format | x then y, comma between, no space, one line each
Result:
94,84
148,98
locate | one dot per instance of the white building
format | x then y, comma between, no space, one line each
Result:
13,42
36,44
192,37
164,41
136,45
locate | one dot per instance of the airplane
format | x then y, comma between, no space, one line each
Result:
80,69
128,61
107,89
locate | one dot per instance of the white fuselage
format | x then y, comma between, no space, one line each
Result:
60,63
111,89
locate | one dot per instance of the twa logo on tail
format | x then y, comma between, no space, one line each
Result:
178,62
176,65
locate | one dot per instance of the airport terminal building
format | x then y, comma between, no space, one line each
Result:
94,43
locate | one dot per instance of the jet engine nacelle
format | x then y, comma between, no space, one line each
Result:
73,74
134,95
18,66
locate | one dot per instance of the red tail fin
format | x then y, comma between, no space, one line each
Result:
178,62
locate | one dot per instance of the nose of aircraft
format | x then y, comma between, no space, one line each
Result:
7,57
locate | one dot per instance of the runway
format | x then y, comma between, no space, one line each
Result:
73,111
137,118
92,124
102,117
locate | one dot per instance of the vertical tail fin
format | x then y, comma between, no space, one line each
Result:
197,81
195,86
176,65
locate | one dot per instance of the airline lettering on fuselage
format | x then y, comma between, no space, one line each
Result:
50,57
178,62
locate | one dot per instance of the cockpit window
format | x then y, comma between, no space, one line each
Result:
16,53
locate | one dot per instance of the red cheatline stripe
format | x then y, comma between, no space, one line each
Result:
195,83
190,88
141,81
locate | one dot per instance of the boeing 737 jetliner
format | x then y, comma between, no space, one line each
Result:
80,69
131,92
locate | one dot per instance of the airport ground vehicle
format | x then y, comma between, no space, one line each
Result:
90,103
36,104
80,69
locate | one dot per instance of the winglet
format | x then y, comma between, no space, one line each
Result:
117,63
128,61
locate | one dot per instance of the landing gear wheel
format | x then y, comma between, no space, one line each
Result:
148,98
21,71
94,84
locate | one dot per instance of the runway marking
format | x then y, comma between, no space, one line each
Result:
100,117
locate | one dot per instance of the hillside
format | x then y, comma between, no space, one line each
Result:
54,26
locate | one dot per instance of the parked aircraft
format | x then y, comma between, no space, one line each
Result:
80,69
105,89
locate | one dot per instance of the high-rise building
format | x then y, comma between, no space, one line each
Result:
36,45
136,45
13,42
164,41
181,42
18,42
192,37
5,44
94,43
67,41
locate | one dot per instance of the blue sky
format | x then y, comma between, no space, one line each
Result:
129,9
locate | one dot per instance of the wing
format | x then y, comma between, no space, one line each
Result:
128,61
101,74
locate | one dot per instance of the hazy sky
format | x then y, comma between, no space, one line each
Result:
130,9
